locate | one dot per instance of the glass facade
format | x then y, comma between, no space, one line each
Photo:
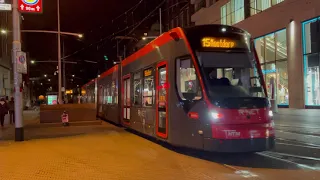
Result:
232,12
272,53
311,56
257,6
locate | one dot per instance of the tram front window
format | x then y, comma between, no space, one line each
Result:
230,75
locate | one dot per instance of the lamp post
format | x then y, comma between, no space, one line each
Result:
59,55
16,47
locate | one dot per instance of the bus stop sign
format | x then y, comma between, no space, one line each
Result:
30,6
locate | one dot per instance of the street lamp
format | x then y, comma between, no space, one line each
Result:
148,37
3,31
32,61
45,75
73,75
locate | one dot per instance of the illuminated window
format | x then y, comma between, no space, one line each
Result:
148,87
109,97
114,92
126,99
187,81
162,101
257,6
311,55
232,12
272,54
137,89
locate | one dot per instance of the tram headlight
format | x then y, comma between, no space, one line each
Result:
270,113
216,116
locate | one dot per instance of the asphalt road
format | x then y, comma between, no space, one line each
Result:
298,140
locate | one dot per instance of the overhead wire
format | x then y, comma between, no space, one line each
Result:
115,33
151,14
133,8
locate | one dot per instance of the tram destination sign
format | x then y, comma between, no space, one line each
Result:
210,42
227,43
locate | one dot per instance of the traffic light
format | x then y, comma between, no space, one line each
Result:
105,57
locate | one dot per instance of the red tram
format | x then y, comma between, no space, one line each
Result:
200,87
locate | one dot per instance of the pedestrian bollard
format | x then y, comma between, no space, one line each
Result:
65,118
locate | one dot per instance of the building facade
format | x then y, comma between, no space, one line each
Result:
5,54
177,13
174,13
287,39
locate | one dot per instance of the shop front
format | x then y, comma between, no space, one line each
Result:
272,53
311,61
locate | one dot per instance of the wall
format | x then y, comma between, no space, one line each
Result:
274,18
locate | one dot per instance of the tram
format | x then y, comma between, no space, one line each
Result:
200,87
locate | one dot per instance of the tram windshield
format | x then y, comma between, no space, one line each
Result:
230,74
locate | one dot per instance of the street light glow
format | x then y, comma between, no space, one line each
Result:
49,80
45,75
144,38
80,35
3,31
72,75
32,62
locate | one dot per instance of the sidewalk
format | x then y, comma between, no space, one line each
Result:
106,152
34,130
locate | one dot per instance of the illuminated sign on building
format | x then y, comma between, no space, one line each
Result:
147,72
209,42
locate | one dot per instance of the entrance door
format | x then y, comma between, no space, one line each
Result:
126,99
162,100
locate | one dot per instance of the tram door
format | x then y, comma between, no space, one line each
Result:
162,100
126,99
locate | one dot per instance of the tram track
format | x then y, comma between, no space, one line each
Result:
297,126
305,162
290,142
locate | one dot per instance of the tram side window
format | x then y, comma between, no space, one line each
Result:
137,88
148,87
187,80
114,92
101,95
109,97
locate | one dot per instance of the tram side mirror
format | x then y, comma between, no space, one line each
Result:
189,95
255,89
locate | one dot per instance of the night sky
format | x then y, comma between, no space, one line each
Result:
92,18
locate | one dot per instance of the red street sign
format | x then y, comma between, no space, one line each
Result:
30,6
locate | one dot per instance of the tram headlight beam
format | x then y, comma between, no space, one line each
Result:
216,116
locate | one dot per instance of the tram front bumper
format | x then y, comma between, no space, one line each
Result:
239,145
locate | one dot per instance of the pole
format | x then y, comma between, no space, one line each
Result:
124,52
117,48
16,46
59,55
160,21
64,70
